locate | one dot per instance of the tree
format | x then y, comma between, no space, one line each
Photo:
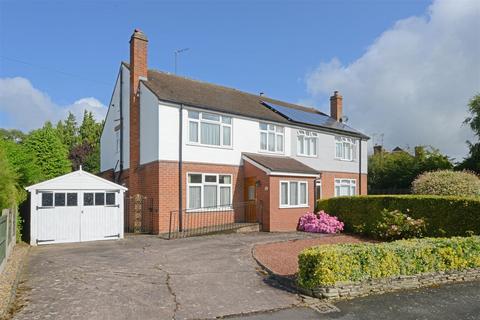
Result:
90,130
12,135
8,182
68,131
472,162
49,151
394,172
23,162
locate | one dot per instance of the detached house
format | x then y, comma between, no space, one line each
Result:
186,144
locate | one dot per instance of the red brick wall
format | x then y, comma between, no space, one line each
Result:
286,219
328,183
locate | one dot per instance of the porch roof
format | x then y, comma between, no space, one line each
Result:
279,165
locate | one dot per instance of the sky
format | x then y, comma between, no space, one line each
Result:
406,69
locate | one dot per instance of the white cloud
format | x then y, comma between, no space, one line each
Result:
414,82
24,107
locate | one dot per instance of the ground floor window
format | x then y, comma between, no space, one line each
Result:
293,194
345,187
208,190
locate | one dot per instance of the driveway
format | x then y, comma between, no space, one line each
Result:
144,277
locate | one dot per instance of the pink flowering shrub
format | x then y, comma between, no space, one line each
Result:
320,223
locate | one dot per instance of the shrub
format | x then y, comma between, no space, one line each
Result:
320,223
443,216
329,264
395,225
447,183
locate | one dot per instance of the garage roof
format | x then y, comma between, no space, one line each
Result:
77,180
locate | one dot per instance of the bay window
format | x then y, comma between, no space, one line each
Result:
345,187
209,190
293,194
306,143
271,137
345,148
209,129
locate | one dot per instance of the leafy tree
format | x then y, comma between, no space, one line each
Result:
68,131
90,130
472,162
49,151
12,135
8,182
23,162
394,172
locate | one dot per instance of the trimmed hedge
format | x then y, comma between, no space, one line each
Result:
444,215
329,264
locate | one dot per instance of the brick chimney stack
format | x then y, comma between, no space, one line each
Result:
336,106
138,71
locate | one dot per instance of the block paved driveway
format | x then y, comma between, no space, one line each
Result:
144,277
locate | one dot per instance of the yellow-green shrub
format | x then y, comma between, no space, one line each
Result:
329,264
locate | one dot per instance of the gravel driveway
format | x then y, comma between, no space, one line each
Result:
144,277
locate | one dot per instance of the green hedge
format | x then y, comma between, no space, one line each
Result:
444,215
329,264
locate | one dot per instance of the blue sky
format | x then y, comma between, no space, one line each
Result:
251,45
67,51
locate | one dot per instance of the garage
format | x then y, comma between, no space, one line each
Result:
75,207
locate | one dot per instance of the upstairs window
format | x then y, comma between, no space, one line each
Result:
271,137
345,148
307,143
209,129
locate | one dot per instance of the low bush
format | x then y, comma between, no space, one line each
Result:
444,216
319,223
447,183
395,225
329,264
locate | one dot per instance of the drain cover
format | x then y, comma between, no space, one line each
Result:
323,307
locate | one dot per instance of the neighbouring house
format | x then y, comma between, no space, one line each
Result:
183,144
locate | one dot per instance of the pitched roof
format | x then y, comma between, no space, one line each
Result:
76,180
280,164
176,89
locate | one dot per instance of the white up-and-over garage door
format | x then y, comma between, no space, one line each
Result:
76,207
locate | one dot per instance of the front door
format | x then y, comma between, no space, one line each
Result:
250,195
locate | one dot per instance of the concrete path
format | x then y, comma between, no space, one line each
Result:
144,277
448,302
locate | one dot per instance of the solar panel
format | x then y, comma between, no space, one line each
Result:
316,119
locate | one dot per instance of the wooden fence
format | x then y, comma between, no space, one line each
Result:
7,235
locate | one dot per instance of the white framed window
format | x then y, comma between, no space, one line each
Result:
345,148
307,143
272,137
318,190
345,187
293,194
117,141
210,129
209,190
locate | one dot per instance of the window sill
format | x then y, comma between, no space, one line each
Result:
306,156
272,152
208,146
293,207
207,210
345,160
